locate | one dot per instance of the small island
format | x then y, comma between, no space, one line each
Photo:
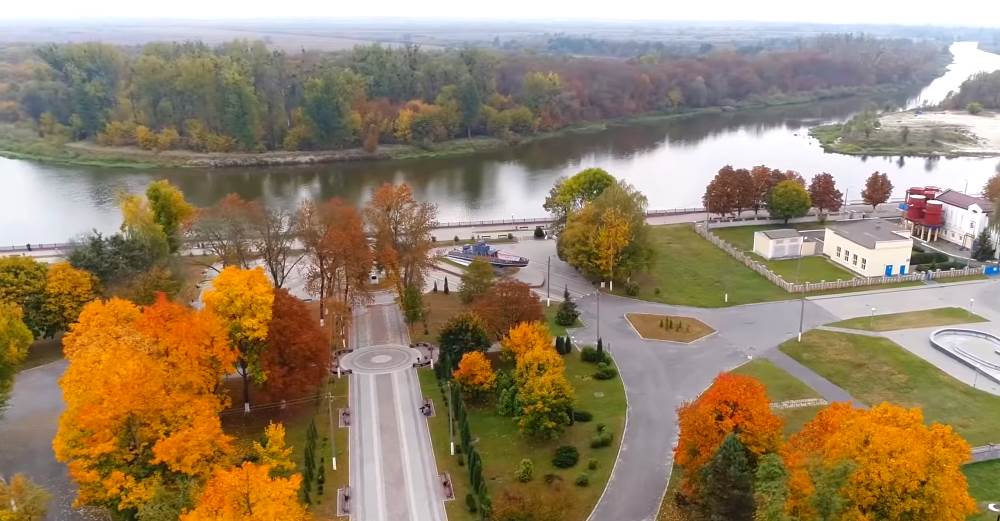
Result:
964,124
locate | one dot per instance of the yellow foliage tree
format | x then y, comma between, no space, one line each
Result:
22,500
141,411
613,236
15,337
475,373
67,290
899,467
249,493
524,337
274,453
243,299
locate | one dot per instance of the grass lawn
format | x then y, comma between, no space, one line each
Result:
815,268
876,370
781,386
681,329
984,486
688,270
550,320
440,308
967,278
911,319
502,447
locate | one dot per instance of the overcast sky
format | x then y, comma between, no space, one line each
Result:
920,12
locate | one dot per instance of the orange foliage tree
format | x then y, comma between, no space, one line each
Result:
734,403
475,374
242,299
543,392
510,303
249,492
142,414
524,337
402,229
297,354
67,289
898,467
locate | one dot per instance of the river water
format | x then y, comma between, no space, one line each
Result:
670,161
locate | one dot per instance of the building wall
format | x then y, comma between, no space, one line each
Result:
962,226
777,248
867,262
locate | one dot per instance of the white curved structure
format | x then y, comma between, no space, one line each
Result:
976,349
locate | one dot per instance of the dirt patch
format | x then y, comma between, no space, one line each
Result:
672,328
982,129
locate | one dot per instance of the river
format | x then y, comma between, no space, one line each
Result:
669,160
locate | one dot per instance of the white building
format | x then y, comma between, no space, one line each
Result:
780,244
869,247
965,217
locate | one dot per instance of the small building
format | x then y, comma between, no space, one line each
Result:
965,217
782,244
869,247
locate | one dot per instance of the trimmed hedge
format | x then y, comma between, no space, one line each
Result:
565,457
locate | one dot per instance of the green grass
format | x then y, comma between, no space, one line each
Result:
984,486
550,319
876,370
691,271
888,140
911,319
781,386
967,278
814,268
502,447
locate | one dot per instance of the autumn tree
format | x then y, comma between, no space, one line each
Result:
15,337
895,466
524,337
824,194
728,483
571,194
297,356
22,500
272,451
477,280
22,282
170,210
139,224
475,374
67,290
608,238
770,488
510,303
243,300
762,181
732,404
463,333
543,392
142,412
402,229
731,191
877,190
225,230
788,199
272,235
991,190
249,493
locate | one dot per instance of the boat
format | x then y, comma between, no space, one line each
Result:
482,250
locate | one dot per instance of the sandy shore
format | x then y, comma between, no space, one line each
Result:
983,128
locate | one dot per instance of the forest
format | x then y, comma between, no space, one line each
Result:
243,96
982,89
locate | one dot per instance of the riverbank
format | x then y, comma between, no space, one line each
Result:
916,133
22,142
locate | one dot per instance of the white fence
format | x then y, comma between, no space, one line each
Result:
809,287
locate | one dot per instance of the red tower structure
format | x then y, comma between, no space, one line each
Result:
923,215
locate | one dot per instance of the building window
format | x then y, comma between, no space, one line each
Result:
847,255
838,252
854,260
972,225
863,262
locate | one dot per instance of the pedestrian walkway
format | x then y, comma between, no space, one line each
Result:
393,473
827,389
850,331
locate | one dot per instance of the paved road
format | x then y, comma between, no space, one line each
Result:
393,472
26,432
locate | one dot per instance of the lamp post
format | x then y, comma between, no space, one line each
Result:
802,294
972,302
333,433
451,424
599,310
871,323
548,277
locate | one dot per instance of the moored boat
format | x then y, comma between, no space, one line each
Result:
482,250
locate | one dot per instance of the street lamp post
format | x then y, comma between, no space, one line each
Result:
451,424
599,310
972,302
333,433
871,323
802,294
548,277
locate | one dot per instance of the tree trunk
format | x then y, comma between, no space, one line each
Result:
246,383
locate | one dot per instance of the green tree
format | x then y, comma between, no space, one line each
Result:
727,494
788,199
470,102
15,337
771,489
328,108
22,500
567,314
476,281
22,282
984,249
413,304
570,194
240,117
465,332
826,498
170,210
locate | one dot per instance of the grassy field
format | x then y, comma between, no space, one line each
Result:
967,278
782,386
876,370
502,447
911,319
815,268
440,309
984,486
681,329
688,270
550,319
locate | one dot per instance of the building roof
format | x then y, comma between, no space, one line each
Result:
784,233
961,200
867,232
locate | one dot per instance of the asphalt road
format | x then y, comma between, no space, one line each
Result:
394,475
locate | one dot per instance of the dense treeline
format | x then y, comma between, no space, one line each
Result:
982,88
242,96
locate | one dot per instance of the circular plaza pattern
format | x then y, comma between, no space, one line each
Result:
380,359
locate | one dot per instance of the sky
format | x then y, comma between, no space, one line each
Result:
908,12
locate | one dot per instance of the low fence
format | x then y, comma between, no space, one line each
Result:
809,287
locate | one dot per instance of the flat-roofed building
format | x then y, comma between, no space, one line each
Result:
869,247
